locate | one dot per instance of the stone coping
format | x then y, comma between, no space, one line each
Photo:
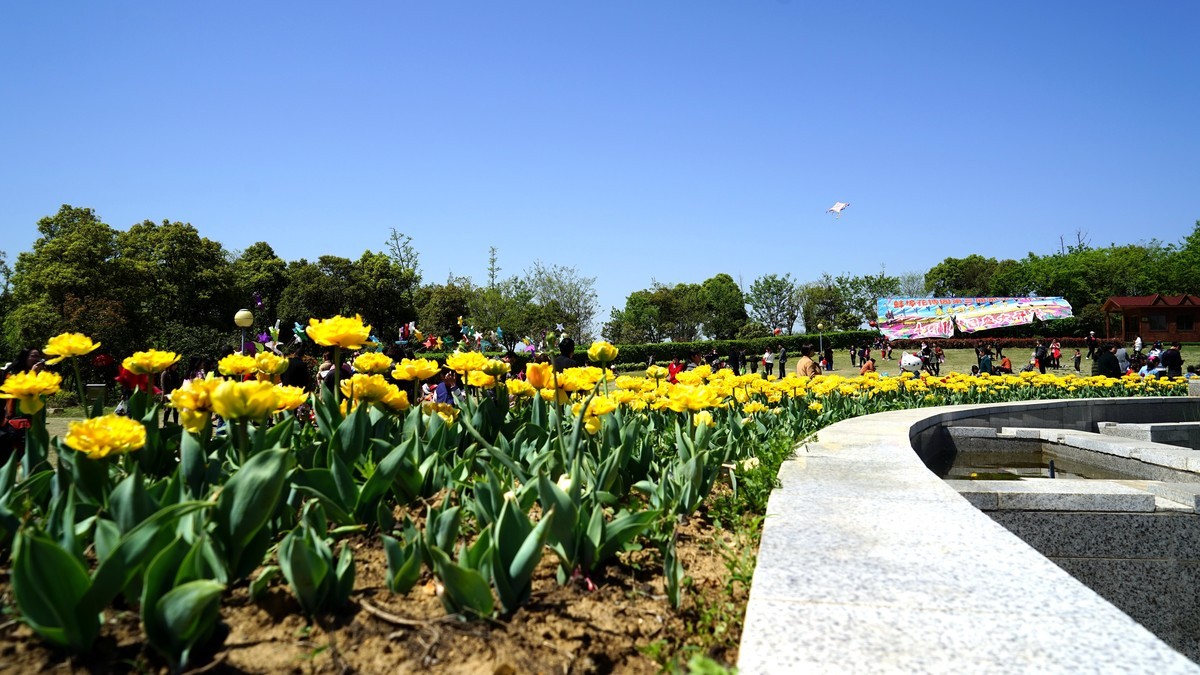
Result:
871,563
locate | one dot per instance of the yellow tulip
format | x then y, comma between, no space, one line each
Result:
100,437
340,331
704,418
194,420
465,362
268,363
68,345
196,395
149,362
540,375
29,387
372,363
478,378
244,400
519,388
236,365
602,352
495,367
416,369
366,388
290,398
396,400
656,372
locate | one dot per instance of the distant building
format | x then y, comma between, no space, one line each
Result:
1154,317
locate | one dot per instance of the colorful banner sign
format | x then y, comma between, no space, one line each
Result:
908,318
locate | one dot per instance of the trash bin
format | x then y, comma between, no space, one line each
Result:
94,392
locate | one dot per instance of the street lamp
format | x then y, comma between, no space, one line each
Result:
244,319
821,340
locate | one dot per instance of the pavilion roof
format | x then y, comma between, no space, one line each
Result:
1118,303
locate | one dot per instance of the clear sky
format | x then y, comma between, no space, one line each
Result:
635,140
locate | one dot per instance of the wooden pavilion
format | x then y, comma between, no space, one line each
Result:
1154,317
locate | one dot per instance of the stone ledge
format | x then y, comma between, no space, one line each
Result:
1061,494
870,563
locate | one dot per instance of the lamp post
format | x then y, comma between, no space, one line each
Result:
821,340
244,319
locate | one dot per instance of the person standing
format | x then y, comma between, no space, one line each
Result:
829,358
1137,345
1107,363
1091,342
853,356
768,361
782,359
735,361
1172,360
1078,358
1042,354
566,355
1122,358
985,362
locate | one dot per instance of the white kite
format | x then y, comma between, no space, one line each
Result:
837,208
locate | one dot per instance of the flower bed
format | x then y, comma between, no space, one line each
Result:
574,494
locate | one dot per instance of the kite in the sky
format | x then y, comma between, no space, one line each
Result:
837,208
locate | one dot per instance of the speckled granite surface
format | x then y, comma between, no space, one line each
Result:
870,563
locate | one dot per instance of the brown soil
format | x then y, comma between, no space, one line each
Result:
626,625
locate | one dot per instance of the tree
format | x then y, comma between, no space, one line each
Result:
912,284
823,304
567,297
724,307
775,301
961,277
440,305
173,275
637,323
860,297
381,290
258,270
73,264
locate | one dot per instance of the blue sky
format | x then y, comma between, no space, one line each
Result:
636,141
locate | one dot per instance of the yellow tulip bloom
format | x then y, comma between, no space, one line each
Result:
100,437
396,400
416,369
478,378
244,400
29,387
149,362
290,398
372,363
268,363
68,345
519,388
340,331
602,352
540,375
366,388
465,362
236,365
495,367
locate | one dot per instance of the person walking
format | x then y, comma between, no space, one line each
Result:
768,361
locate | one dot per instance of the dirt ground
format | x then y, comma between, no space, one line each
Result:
626,625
